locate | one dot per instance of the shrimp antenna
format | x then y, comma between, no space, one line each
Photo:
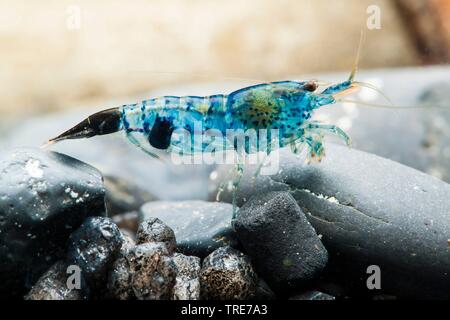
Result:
358,56
375,105
374,88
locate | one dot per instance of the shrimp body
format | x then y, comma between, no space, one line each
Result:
282,109
283,106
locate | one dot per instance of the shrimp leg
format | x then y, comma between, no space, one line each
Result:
236,182
328,128
314,142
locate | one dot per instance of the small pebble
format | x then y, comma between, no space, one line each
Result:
119,277
227,274
52,285
187,285
153,271
154,230
93,247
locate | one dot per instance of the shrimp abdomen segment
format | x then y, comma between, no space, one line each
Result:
158,118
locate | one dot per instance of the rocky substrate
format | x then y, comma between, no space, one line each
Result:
309,232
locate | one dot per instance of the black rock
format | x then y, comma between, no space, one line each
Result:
285,249
370,211
313,295
124,196
263,291
153,271
93,248
52,285
187,284
200,227
154,230
227,274
44,196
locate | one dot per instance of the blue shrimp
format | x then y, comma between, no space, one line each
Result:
285,106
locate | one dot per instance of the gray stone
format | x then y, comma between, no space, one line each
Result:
200,227
153,271
154,230
93,248
370,211
227,274
187,284
52,285
285,249
313,295
436,120
44,196
124,196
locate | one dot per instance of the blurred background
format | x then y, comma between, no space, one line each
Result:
57,54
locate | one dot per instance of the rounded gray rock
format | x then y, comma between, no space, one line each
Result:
285,249
227,274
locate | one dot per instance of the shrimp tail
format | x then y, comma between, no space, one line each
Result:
101,123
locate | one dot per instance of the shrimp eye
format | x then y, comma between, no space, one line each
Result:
310,86
161,133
